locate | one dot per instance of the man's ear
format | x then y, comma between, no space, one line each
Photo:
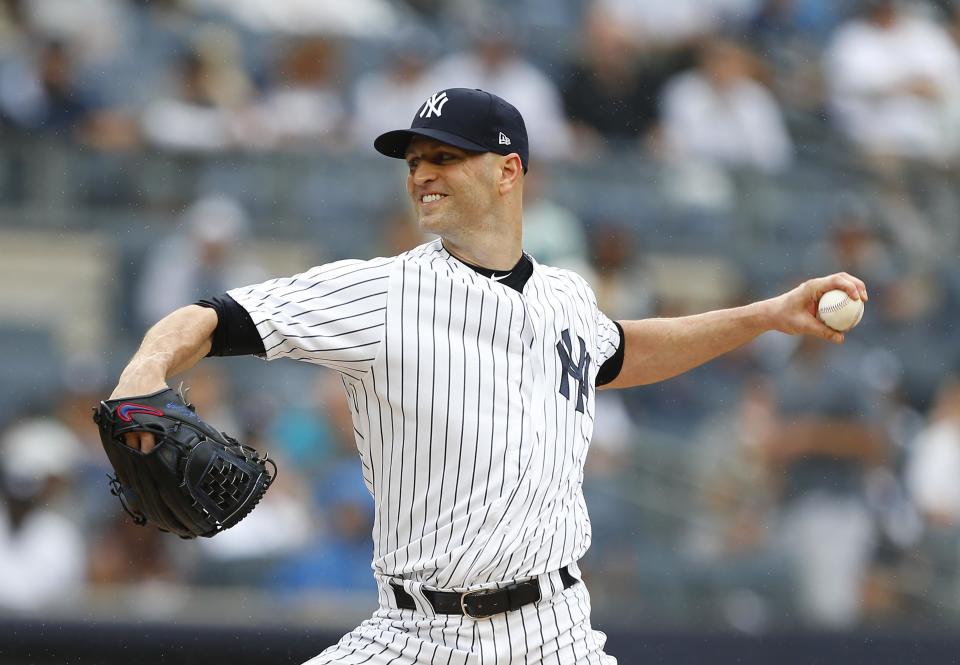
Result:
511,172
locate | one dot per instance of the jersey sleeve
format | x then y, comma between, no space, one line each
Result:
331,315
610,349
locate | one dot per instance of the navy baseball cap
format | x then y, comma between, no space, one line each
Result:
473,120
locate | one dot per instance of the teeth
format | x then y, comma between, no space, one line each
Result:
430,198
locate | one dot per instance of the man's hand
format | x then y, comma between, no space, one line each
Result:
139,378
795,312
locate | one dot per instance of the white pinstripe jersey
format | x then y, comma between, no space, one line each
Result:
472,403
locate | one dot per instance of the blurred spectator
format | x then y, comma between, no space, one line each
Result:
722,136
83,385
38,92
203,258
439,15
894,78
161,30
304,429
611,93
951,9
670,23
41,93
719,114
190,119
338,558
934,462
304,108
737,498
895,88
210,89
96,30
608,488
910,316
622,284
207,388
820,450
42,551
120,542
494,63
930,476
12,27
853,244
779,23
355,18
384,97
790,35
733,529
552,234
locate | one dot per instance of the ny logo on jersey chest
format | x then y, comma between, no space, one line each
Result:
578,371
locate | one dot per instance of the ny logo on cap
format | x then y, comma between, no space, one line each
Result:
434,105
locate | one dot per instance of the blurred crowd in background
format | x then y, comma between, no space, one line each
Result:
686,155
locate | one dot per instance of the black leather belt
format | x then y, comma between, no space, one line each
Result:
484,602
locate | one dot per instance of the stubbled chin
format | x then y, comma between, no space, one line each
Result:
431,221
428,221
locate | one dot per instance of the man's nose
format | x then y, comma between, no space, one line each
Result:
423,172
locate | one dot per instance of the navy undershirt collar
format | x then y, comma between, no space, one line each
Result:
515,278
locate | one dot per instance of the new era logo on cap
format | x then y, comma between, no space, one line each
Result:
464,118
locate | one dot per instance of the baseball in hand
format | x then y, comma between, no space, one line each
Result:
839,311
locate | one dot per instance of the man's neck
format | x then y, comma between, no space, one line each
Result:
502,254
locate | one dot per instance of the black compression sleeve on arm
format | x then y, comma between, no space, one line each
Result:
611,368
235,334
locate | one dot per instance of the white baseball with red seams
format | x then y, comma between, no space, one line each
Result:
839,311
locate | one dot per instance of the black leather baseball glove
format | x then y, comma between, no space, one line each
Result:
196,481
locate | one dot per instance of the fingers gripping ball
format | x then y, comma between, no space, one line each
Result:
839,311
196,481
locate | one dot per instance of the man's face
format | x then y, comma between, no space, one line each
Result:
450,188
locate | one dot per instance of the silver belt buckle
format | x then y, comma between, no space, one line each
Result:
463,603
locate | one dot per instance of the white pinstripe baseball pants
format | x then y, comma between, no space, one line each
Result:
555,630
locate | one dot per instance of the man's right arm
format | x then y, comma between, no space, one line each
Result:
175,344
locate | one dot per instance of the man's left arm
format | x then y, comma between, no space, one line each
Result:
658,349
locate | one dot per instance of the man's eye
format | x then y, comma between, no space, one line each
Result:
447,156
412,165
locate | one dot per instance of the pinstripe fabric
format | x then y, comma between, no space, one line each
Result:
473,409
555,630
